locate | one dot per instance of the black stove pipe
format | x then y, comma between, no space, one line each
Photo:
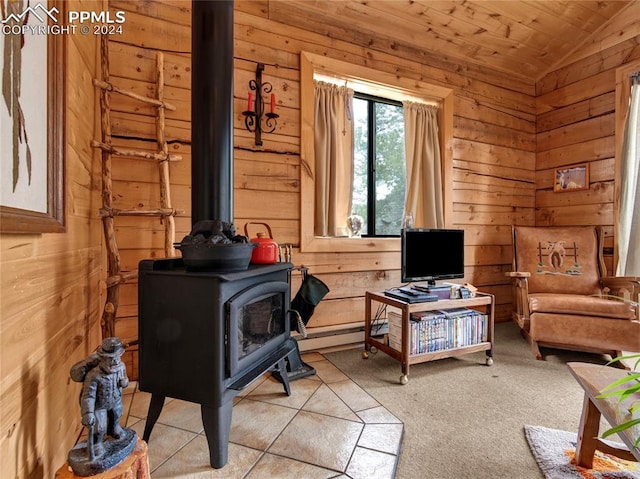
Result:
212,110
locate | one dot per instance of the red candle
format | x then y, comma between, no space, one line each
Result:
249,102
273,102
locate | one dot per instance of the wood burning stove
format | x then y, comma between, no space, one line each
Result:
205,335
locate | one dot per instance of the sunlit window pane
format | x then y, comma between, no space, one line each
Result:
390,168
379,169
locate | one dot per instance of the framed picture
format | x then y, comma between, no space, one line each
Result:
571,178
32,120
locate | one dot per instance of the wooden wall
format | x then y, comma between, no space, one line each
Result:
494,150
51,295
576,113
508,137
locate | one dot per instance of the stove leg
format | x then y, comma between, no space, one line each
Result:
284,377
217,425
155,408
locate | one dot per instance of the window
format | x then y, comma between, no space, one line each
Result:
379,183
375,83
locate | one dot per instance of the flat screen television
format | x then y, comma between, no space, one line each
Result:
431,254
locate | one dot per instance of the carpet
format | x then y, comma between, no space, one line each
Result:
554,451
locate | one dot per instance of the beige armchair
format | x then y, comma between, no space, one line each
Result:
562,296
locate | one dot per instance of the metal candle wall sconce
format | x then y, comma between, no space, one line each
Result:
256,119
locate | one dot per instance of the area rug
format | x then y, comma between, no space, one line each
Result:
554,451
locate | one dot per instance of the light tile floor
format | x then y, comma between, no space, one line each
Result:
328,428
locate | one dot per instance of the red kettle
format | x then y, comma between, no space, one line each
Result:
267,250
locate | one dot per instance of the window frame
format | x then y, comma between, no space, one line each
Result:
377,83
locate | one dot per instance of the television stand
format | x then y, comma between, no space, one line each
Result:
482,302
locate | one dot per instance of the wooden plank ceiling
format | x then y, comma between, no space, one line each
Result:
526,39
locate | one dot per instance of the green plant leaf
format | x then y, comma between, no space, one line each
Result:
635,377
620,392
622,427
629,356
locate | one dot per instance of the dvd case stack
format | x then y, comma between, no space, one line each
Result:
433,331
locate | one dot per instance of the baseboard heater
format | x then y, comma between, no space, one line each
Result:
329,337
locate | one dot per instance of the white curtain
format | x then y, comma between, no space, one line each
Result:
628,235
333,142
424,165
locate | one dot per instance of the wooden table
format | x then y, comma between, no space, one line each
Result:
593,378
481,301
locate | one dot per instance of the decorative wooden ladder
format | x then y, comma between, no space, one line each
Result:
166,212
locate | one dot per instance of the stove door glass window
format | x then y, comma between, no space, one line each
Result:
256,321
260,321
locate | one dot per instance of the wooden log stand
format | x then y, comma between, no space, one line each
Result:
134,466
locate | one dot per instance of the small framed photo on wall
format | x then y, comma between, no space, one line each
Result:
571,178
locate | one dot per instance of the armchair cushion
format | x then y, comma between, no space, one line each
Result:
580,305
560,259
583,333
